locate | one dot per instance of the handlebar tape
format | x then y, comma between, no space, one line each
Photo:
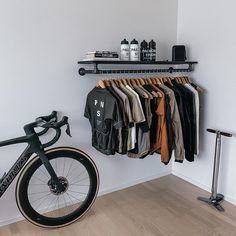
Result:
48,118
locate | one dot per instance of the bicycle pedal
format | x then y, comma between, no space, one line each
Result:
4,175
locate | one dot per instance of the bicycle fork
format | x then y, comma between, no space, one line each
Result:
54,178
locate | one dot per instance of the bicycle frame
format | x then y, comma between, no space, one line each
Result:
21,161
34,146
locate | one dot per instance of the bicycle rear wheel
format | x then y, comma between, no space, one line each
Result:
38,200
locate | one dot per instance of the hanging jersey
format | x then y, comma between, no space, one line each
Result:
105,118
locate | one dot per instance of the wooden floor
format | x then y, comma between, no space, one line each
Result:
166,206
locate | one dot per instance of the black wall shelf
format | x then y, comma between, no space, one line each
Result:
170,69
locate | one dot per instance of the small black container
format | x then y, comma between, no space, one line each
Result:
152,50
144,53
178,53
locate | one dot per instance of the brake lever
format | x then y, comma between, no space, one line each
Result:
52,117
68,129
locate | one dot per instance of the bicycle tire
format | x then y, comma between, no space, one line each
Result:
22,195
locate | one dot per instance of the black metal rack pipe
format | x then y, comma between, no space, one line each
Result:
83,71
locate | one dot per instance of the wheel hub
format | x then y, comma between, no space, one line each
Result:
54,189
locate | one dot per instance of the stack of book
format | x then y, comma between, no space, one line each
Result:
101,56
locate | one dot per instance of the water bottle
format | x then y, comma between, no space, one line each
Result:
124,50
134,50
144,53
152,50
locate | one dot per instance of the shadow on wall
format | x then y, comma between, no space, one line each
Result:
224,164
202,139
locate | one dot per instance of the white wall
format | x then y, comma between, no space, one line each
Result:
207,28
40,44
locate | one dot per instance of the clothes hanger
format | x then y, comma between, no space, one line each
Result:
147,92
149,80
170,81
100,84
164,79
140,82
121,82
161,80
186,79
199,88
107,83
155,86
133,82
153,93
113,82
140,90
153,79
130,83
158,80
178,80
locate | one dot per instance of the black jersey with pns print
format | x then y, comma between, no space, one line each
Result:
105,118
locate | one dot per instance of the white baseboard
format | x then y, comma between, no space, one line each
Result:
11,220
202,186
101,192
132,183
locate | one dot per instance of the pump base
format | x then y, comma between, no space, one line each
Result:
215,202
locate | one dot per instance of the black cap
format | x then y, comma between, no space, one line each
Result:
134,41
144,44
124,41
152,44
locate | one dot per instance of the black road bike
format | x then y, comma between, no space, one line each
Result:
58,185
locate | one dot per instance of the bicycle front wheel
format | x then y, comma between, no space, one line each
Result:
42,204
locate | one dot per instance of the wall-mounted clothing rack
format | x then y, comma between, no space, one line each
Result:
171,69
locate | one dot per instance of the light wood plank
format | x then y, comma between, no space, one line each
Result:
162,207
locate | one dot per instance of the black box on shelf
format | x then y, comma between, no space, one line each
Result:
178,53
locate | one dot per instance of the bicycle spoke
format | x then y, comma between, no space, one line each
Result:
63,167
86,185
70,198
41,198
76,168
75,197
37,184
64,199
50,204
44,173
80,175
37,193
72,161
80,180
42,202
38,179
56,209
58,201
77,192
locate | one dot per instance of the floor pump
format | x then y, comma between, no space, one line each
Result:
216,198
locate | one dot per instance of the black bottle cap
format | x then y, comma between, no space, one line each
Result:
134,41
144,44
124,41
152,44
